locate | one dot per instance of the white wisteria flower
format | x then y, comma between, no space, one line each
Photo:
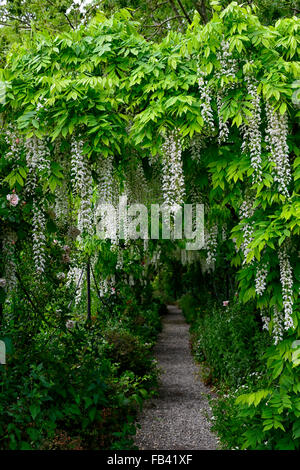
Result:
276,138
251,132
172,170
286,279
261,279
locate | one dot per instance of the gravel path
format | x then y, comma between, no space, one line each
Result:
176,419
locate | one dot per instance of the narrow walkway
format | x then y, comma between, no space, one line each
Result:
176,419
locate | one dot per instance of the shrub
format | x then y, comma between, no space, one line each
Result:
128,351
230,341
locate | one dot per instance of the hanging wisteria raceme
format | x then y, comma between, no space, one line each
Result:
106,185
211,243
141,183
246,212
120,261
108,193
38,236
286,279
265,320
276,138
228,69
277,322
9,238
224,233
83,185
261,279
62,207
251,131
15,143
227,62
172,171
137,184
196,145
75,276
77,164
205,97
38,161
223,126
85,218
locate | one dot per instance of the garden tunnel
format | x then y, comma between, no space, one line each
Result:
207,116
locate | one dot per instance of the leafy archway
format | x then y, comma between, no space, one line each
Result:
100,112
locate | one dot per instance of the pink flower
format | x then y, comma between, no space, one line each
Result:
13,199
225,303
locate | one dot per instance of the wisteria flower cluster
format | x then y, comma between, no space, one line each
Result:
261,279
14,142
83,185
172,171
251,132
120,261
137,184
61,203
246,212
211,243
265,320
228,65
205,97
228,68
276,138
37,161
196,145
39,239
106,185
75,276
108,192
223,126
286,279
277,322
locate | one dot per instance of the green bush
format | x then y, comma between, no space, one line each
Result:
75,389
190,307
230,341
128,351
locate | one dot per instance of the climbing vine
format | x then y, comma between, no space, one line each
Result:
99,112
